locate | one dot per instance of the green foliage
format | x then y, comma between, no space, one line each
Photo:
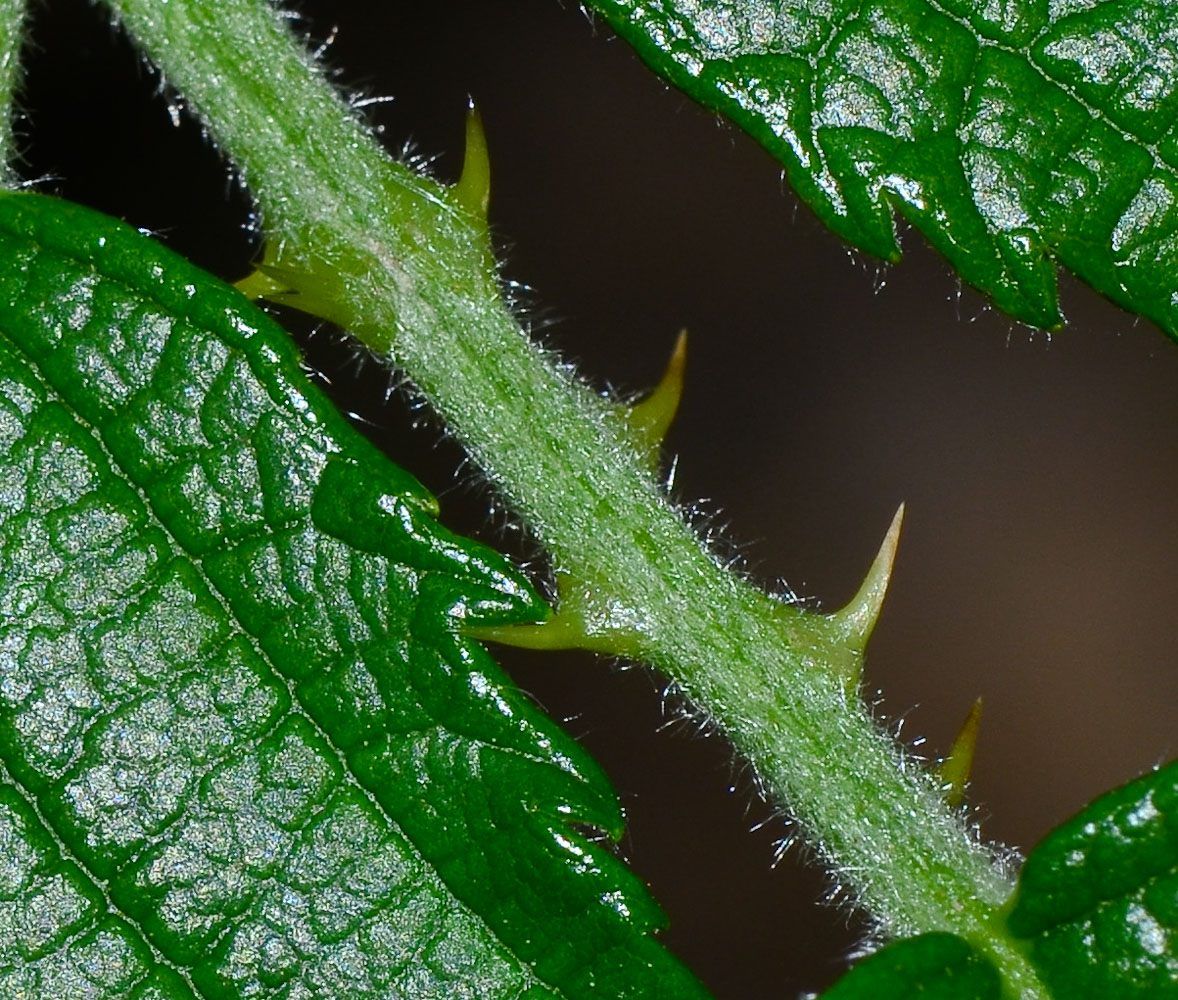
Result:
1096,908
1098,898
1011,134
932,966
405,262
247,750
248,747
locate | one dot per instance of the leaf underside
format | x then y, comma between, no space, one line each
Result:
1011,133
246,751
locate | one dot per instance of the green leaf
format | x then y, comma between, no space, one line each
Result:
933,966
1012,133
1096,909
1097,902
247,751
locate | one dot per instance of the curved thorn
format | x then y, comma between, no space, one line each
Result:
955,769
651,419
473,190
858,618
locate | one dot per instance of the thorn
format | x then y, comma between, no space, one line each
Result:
857,620
554,634
262,282
578,623
259,285
314,287
473,190
955,769
651,419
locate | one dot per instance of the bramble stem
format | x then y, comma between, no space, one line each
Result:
13,14
404,264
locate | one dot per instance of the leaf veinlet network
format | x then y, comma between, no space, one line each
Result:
228,624
1012,134
248,754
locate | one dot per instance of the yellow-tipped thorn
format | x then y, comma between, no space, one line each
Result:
857,620
312,286
259,285
473,190
557,633
269,280
581,621
956,767
651,419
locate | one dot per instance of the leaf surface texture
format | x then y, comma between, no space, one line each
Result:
1096,911
1097,902
933,966
1012,133
247,752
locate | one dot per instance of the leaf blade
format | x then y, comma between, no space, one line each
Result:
934,966
1096,898
244,499
1012,135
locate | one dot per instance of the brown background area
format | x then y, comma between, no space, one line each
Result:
1038,564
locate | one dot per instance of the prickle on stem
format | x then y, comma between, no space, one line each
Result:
311,285
955,769
853,624
473,190
650,419
582,621
314,286
258,284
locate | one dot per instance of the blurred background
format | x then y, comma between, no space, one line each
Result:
1039,562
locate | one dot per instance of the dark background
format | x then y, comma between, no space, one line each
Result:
1039,562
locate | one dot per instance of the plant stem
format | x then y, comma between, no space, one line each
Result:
12,34
404,264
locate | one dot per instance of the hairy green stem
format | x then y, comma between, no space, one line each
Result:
12,32
404,264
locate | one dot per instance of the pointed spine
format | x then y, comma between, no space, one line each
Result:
955,769
582,620
473,190
857,620
259,285
652,418
852,625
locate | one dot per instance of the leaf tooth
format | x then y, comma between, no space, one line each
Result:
954,770
473,190
650,419
857,620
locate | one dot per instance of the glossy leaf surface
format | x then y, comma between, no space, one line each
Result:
246,750
1098,898
1013,134
932,966
1096,909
